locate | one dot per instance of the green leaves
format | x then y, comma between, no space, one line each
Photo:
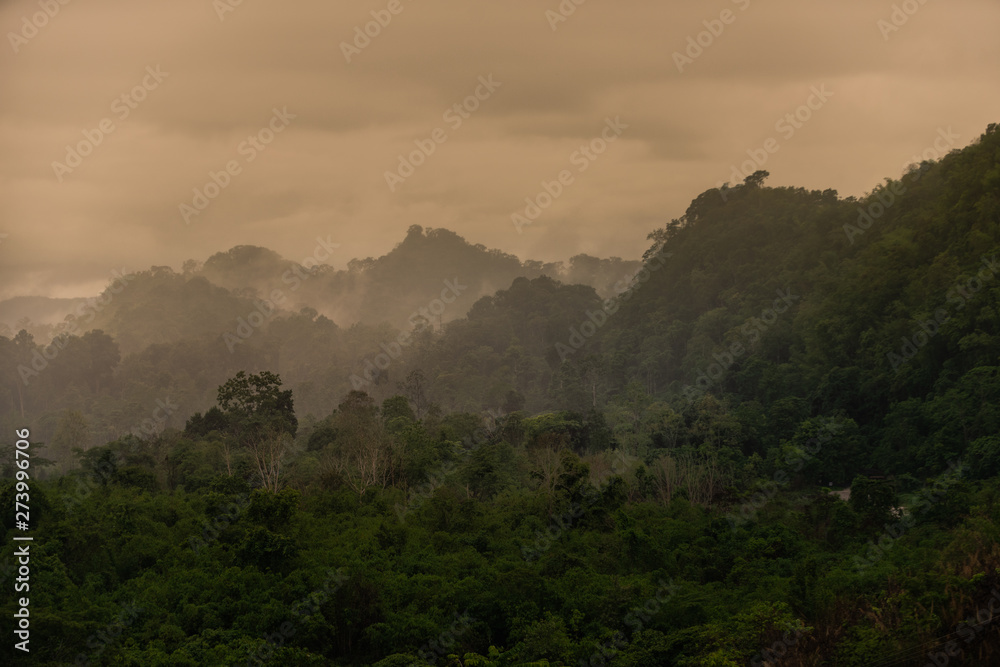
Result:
253,403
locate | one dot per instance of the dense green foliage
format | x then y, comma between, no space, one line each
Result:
484,538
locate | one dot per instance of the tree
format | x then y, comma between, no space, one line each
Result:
397,408
513,401
874,500
985,455
24,348
261,419
365,454
199,425
255,401
756,179
72,433
102,356
415,390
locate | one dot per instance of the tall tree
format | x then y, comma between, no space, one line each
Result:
72,433
261,419
415,390
366,455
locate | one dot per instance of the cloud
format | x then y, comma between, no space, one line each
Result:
325,174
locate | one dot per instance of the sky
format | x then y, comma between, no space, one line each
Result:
135,134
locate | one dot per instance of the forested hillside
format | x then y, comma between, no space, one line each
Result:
152,306
524,470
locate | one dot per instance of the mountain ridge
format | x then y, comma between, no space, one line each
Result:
369,290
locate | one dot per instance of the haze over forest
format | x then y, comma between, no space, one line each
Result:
228,66
500,336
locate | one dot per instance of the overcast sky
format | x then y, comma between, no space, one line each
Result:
222,70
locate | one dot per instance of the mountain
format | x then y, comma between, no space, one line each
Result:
432,275
780,304
412,275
